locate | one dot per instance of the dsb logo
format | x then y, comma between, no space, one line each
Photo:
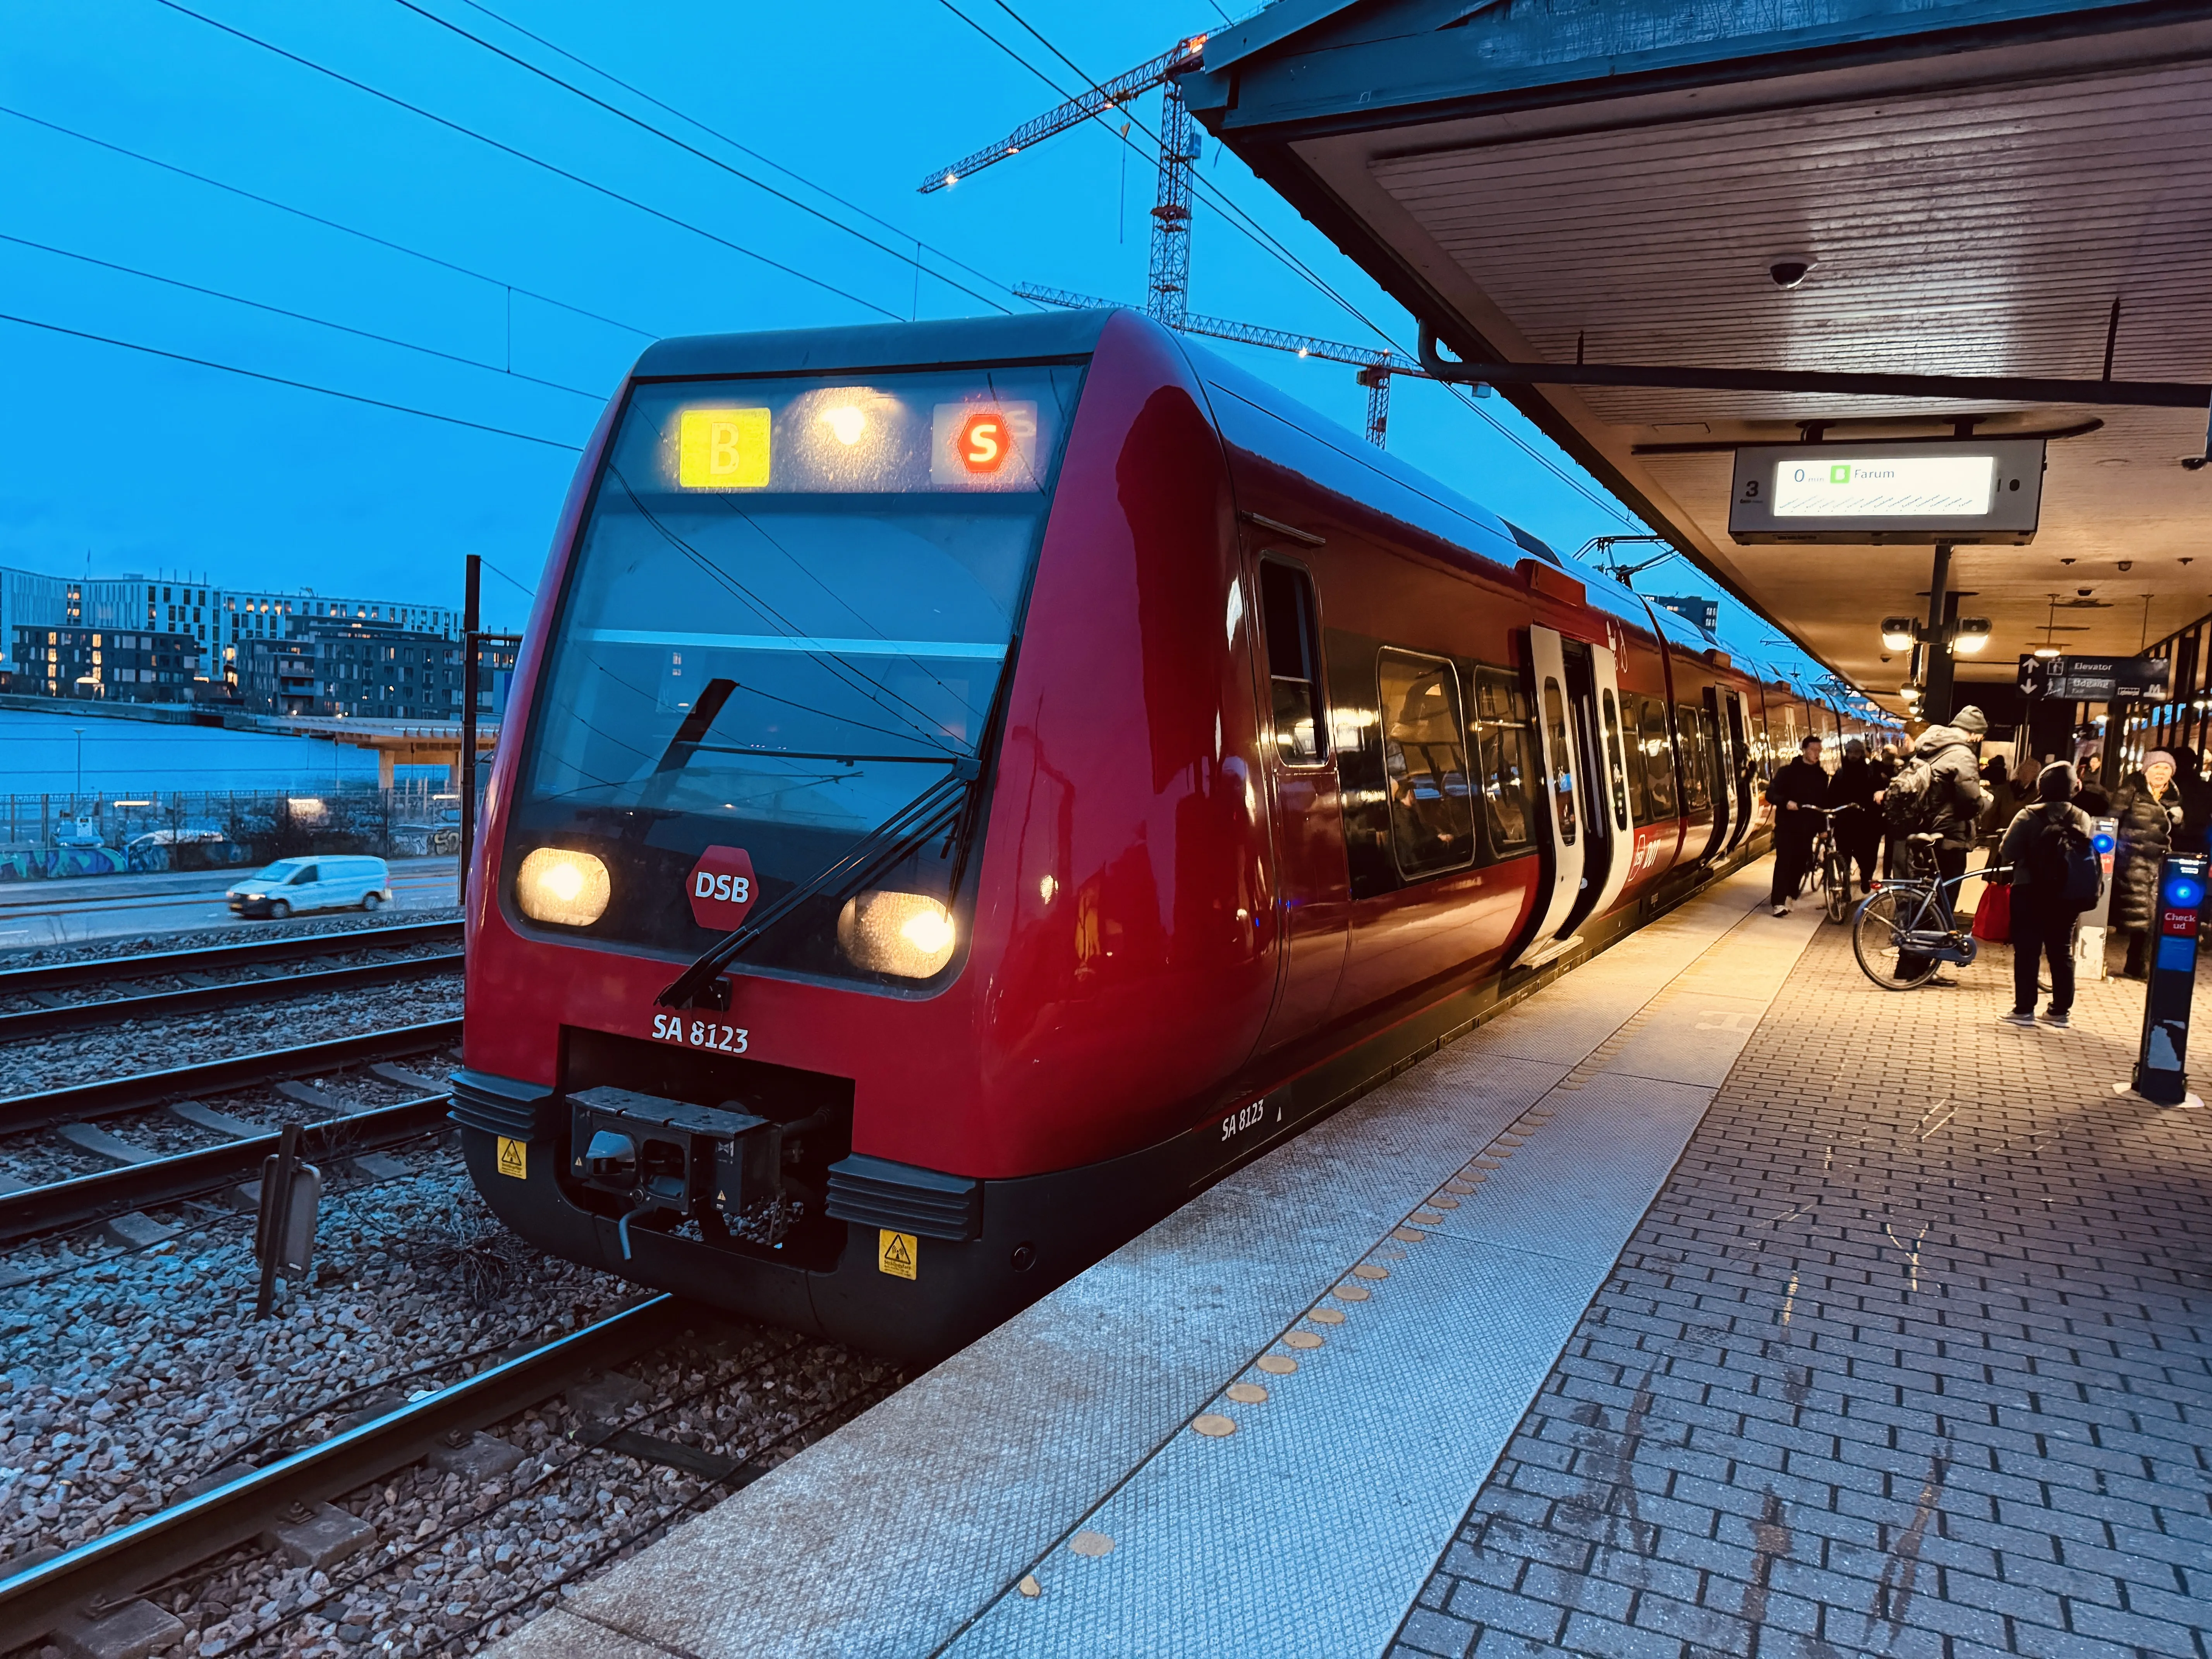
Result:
720,888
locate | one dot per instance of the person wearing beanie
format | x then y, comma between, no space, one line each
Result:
2151,808
2037,846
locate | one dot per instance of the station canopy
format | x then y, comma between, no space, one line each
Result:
2013,191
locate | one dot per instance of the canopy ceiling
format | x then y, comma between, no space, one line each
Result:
1977,185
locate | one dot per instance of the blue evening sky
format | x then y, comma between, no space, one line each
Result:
118,461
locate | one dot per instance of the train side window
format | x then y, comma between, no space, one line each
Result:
1616,768
1505,759
1639,790
1424,764
1658,757
1286,608
1697,766
1563,759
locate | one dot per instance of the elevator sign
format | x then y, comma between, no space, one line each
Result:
1952,491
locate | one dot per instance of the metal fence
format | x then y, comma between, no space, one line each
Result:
51,835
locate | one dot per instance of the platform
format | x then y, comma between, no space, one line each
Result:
1904,1351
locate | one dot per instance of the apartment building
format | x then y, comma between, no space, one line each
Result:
112,664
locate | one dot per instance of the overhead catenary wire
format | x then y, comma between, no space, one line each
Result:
519,155
213,183
301,316
279,380
1267,242
690,149
743,149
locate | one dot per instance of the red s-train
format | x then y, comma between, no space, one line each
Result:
1091,766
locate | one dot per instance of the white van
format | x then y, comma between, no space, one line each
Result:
331,882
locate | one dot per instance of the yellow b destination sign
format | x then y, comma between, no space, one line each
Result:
722,449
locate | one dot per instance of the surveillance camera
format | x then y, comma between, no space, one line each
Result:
2084,592
2127,564
1789,269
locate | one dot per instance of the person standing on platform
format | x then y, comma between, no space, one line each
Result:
2039,844
1856,784
1950,807
2004,803
2149,808
1798,787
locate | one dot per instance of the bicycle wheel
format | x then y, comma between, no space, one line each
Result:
1883,917
1836,877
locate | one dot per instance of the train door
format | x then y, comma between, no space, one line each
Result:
1313,883
1559,815
1712,758
1741,764
1593,692
1617,724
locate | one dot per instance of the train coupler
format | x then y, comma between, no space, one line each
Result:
670,1162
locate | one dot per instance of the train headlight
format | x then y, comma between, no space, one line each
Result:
910,934
563,887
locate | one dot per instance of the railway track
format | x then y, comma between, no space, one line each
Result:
85,1200
273,955
94,1579
100,1580
112,1097
101,970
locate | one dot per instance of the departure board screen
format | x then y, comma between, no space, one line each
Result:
1890,487
1961,490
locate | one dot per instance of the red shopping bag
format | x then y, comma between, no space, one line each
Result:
1993,916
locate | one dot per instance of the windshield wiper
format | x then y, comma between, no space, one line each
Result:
945,805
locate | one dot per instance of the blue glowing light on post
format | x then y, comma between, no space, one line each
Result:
2160,1071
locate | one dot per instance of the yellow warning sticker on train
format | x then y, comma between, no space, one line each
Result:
722,449
896,1252
514,1159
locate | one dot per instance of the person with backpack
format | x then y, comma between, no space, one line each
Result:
1940,791
2149,808
2055,877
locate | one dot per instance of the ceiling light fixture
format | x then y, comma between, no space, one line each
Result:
2049,649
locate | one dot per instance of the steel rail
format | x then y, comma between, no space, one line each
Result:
198,998
60,976
113,1096
97,1576
82,1199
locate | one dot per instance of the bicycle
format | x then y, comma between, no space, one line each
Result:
1829,866
1911,919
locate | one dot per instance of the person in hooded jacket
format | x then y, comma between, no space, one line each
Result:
1858,833
2149,808
1952,810
2043,916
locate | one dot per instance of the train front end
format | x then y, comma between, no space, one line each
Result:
737,1017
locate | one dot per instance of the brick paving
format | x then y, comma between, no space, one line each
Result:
1909,1358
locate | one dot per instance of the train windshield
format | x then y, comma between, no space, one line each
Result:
787,619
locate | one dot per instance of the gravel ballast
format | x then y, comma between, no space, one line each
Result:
127,1379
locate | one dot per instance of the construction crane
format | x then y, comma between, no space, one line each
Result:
1376,368
1179,143
1169,278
